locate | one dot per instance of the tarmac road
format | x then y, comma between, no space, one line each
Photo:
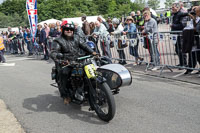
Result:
149,105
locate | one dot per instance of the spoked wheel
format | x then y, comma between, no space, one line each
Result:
103,102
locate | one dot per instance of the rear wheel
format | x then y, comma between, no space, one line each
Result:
103,102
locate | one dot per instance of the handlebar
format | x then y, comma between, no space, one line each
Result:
84,57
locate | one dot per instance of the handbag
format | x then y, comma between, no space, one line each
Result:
147,43
122,43
111,42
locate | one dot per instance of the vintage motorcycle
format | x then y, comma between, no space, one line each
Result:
95,83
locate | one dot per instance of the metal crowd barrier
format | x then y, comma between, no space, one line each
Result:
173,54
132,45
160,49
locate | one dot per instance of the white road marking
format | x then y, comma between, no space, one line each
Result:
20,59
7,64
13,60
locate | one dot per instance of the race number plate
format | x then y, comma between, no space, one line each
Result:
90,71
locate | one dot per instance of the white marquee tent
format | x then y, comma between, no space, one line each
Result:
49,21
78,19
16,29
153,12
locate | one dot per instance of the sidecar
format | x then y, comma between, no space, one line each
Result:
116,76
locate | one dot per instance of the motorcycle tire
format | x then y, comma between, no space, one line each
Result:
96,104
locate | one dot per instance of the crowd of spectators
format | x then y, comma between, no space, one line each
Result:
143,22
22,41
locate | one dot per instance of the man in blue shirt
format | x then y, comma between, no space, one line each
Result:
27,38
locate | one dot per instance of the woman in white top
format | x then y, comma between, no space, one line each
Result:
118,28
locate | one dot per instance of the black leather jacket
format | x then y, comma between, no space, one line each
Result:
177,24
71,49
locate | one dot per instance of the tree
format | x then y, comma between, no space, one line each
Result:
103,6
14,20
112,6
13,12
120,2
138,5
4,20
154,4
168,3
10,7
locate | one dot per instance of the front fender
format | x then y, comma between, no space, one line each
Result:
101,79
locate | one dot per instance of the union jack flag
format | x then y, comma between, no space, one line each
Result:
31,7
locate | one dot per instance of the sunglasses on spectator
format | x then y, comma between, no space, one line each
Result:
69,29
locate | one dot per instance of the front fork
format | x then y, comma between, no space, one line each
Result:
98,80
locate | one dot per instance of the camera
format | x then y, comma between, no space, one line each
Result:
192,11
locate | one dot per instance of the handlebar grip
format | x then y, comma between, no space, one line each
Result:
84,57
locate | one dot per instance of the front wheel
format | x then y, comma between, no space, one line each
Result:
103,102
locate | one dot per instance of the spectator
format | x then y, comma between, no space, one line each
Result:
152,16
38,31
52,32
11,37
194,54
47,29
19,42
161,18
94,40
131,31
15,43
92,27
118,28
140,21
101,32
109,22
133,16
58,25
52,35
78,30
43,42
181,5
168,16
28,39
150,26
183,10
85,27
9,29
58,31
38,48
177,25
2,48
5,38
100,19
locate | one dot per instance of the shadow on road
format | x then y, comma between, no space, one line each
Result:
50,103
37,58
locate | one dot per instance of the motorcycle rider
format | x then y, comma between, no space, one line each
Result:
70,46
